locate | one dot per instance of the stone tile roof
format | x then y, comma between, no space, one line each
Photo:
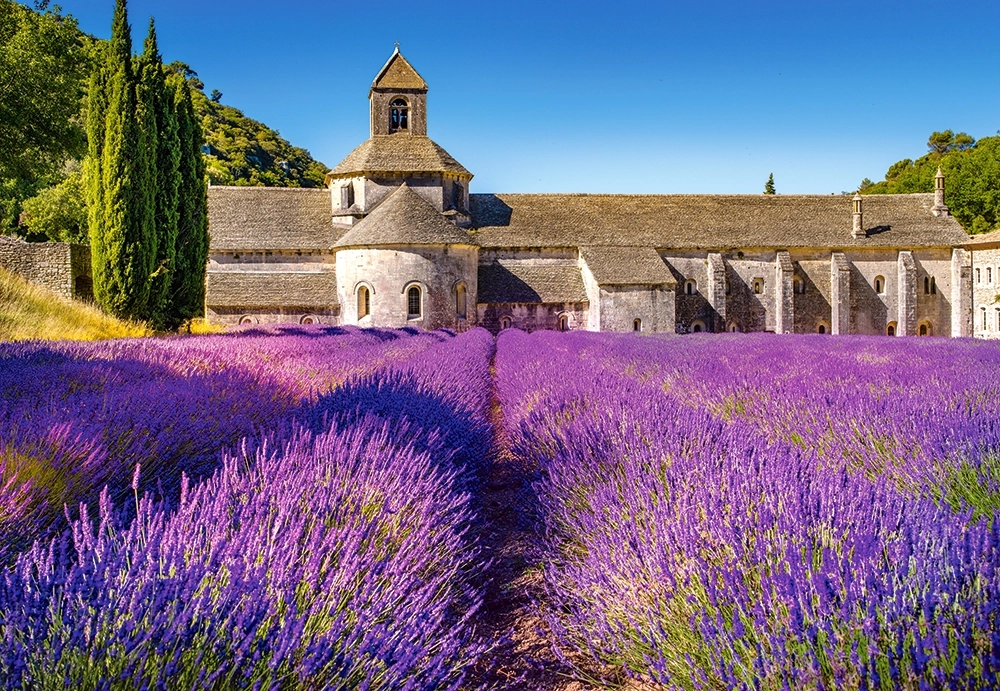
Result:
398,153
984,241
707,221
404,218
521,281
269,218
398,73
627,266
252,289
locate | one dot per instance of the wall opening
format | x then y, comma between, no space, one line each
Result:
460,301
798,285
504,323
413,303
399,115
734,327
758,286
823,328
690,287
890,329
247,320
697,326
924,329
564,322
880,285
309,319
983,312
364,302
637,325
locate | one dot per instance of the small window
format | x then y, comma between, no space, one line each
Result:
308,319
564,323
399,115
933,286
347,196
504,323
637,325
460,301
925,329
890,329
979,277
983,312
247,320
879,285
989,274
413,303
758,286
734,327
690,287
364,302
697,327
821,329
927,285
798,285
458,196
997,320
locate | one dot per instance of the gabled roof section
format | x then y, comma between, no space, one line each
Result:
249,289
708,221
404,218
984,241
627,266
519,281
269,218
386,153
398,73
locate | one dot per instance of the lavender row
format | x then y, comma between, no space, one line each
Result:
697,543
332,553
76,417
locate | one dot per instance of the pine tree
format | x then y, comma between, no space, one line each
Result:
124,237
188,279
769,185
158,102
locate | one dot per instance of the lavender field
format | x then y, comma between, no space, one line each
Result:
304,508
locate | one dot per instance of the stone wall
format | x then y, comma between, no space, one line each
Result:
532,316
986,292
61,267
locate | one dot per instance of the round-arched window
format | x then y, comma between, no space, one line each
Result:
247,320
364,302
413,302
504,323
822,328
890,329
758,286
734,327
880,285
460,301
924,329
399,115
690,287
564,322
697,327
637,325
309,319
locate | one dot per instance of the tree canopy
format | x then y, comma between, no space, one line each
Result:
972,177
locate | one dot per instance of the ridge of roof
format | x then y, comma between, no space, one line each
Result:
269,218
984,239
398,153
398,73
404,218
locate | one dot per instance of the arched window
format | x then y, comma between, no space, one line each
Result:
734,327
758,286
690,287
927,285
823,327
890,329
996,321
979,277
309,319
925,329
697,326
413,302
247,320
504,323
880,285
564,322
983,312
364,302
399,115
933,287
798,285
460,301
637,325
989,274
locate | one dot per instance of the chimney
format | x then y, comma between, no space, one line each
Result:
939,208
858,231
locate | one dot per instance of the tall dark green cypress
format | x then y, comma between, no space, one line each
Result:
97,109
125,236
158,100
188,285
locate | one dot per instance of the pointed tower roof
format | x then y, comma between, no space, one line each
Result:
398,73
404,218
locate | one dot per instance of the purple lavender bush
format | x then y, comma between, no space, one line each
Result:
333,551
724,512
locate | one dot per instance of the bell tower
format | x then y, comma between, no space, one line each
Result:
398,99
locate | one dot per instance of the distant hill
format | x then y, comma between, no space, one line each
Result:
972,177
31,312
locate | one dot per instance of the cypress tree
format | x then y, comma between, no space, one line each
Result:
158,102
188,280
125,235
94,181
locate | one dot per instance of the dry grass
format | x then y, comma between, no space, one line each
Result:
29,312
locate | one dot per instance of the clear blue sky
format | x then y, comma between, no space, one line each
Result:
624,96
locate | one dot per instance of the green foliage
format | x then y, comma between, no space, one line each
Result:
972,175
187,289
59,213
165,173
769,185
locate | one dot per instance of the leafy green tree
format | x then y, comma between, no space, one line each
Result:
943,142
123,238
158,100
59,213
188,278
769,185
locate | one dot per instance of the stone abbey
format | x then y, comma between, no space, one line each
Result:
397,239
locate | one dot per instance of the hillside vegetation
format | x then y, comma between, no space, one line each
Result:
48,61
972,177
31,312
